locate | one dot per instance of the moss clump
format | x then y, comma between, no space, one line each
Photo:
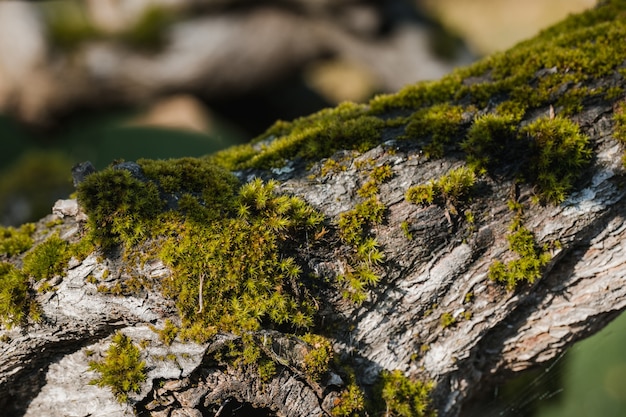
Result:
16,303
558,153
15,241
47,259
350,403
619,129
317,360
403,397
168,333
121,369
531,258
452,189
240,278
347,126
438,125
447,320
120,207
489,139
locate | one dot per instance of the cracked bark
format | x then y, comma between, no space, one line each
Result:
497,332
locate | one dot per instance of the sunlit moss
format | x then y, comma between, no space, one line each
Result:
403,397
121,369
317,359
453,190
47,259
16,304
14,241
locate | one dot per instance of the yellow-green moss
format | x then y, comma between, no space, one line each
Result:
351,402
402,396
15,241
619,130
121,369
453,189
531,258
317,360
16,303
47,259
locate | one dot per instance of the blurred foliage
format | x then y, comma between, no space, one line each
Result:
30,185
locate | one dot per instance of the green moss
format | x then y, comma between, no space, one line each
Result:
453,189
347,126
403,397
240,278
68,25
619,128
317,359
489,139
47,259
437,126
406,230
559,152
531,258
447,320
351,402
121,208
15,241
121,369
168,333
16,304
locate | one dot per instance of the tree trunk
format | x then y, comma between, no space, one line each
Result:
434,314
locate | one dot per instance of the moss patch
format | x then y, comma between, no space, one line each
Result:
16,303
47,259
121,369
14,241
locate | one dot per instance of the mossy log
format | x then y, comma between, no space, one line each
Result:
404,256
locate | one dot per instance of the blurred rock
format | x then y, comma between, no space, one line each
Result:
182,111
105,52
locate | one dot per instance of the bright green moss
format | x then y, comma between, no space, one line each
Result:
16,303
239,278
15,241
168,333
437,125
403,397
121,369
47,259
120,207
347,126
317,360
558,153
452,190
531,258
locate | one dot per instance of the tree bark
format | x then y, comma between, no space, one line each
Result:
440,271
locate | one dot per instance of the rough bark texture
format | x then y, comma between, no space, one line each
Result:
497,332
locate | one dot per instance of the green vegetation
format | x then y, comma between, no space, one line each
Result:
16,303
121,369
440,123
347,126
119,206
452,190
447,320
488,140
531,258
350,403
168,333
47,259
243,276
558,153
15,241
317,360
403,397
619,130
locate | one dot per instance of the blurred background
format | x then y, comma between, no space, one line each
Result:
101,80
